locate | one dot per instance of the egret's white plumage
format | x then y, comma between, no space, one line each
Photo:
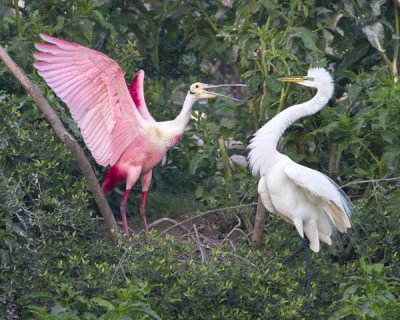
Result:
304,197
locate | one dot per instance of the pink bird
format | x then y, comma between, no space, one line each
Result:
114,121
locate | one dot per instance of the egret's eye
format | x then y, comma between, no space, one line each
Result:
197,86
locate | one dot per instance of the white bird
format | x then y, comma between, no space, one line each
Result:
304,197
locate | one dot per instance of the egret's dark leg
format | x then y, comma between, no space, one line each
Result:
308,271
304,247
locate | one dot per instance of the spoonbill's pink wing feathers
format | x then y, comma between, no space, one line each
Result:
136,89
94,89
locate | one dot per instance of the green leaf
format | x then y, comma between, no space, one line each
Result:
309,40
103,22
103,303
181,10
60,23
4,257
63,313
195,162
199,191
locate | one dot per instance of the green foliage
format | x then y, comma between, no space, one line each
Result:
127,303
369,133
370,295
222,287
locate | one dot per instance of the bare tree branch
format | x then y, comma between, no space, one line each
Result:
370,181
68,139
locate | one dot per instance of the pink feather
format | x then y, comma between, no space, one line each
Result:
136,89
94,89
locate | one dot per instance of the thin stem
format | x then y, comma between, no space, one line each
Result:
18,17
225,159
282,98
250,104
205,14
377,161
264,71
387,61
396,44
288,26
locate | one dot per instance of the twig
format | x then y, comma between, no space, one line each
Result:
205,213
232,245
396,44
199,244
370,181
119,266
66,138
233,230
240,258
159,221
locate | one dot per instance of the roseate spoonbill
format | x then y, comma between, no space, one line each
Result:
304,197
114,121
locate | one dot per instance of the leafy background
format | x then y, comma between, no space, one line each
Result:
56,259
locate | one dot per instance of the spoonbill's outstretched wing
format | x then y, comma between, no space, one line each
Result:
136,89
94,89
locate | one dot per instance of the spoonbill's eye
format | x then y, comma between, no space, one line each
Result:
196,86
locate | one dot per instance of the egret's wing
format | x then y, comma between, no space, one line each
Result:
136,89
94,89
336,204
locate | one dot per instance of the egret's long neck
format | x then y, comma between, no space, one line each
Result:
264,143
184,116
274,129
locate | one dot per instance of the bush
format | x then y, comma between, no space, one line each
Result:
370,295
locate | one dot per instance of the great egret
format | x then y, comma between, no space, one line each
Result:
304,197
114,121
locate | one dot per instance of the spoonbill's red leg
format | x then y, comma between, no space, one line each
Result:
123,211
133,174
143,211
146,179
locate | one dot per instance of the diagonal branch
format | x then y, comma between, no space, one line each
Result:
67,138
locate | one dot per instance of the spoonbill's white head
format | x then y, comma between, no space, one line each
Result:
201,91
